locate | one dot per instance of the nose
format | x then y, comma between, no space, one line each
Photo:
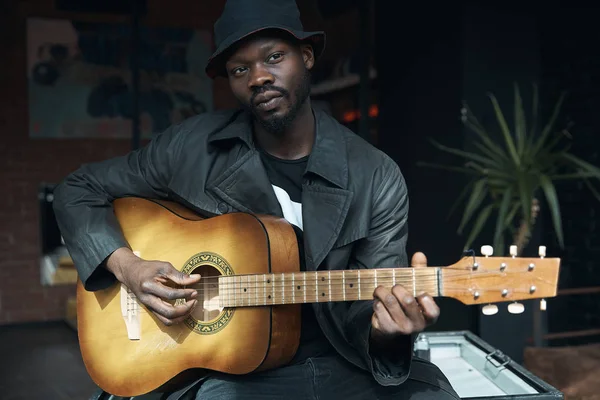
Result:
259,76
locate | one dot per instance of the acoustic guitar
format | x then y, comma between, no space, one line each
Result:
248,314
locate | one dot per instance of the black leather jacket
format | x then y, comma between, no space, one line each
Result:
354,199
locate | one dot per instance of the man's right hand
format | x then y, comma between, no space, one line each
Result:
152,281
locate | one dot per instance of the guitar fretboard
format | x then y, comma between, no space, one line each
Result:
322,286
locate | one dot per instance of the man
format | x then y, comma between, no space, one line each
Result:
279,156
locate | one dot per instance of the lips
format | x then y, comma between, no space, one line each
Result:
267,99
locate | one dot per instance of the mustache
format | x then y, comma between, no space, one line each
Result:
267,88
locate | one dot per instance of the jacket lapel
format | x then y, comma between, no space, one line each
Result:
324,210
325,198
245,186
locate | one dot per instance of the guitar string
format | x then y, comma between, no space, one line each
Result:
234,282
221,304
401,271
240,297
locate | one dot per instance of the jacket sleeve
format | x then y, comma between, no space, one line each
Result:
384,247
83,202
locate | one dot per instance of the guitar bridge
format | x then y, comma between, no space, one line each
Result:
130,309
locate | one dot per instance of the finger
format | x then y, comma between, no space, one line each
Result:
166,321
167,292
177,276
430,309
374,321
384,323
391,303
167,313
413,318
418,260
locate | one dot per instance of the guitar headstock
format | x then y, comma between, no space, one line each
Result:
486,279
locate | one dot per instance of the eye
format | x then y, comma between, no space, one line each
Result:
237,71
275,57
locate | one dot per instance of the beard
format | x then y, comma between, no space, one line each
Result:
277,124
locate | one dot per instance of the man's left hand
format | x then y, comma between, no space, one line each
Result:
398,313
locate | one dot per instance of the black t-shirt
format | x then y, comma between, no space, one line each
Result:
286,178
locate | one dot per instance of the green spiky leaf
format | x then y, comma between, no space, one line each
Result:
479,224
465,154
520,124
548,128
552,200
502,213
477,195
510,144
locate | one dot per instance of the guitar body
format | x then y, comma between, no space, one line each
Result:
128,352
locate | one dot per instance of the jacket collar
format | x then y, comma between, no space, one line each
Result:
328,158
240,128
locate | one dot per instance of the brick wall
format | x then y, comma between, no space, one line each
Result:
25,163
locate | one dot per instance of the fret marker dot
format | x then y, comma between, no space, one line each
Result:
269,296
322,294
323,279
268,281
244,289
298,287
351,285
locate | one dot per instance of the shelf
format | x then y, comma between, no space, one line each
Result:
333,85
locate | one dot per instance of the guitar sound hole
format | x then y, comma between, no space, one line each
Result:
208,307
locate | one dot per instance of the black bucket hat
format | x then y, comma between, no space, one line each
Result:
241,18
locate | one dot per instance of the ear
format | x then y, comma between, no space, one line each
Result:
307,55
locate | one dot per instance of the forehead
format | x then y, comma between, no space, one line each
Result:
257,44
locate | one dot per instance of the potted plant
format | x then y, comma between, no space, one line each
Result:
511,171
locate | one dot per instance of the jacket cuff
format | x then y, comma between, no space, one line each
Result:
385,370
92,261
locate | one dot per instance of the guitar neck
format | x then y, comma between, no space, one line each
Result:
322,286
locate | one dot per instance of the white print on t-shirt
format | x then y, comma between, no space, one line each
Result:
292,211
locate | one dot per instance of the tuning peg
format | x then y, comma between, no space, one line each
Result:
516,308
542,251
543,304
513,251
490,309
487,250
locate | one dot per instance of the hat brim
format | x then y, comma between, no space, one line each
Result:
215,64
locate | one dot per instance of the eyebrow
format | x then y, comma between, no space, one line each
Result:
264,48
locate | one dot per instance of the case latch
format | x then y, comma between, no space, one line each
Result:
500,361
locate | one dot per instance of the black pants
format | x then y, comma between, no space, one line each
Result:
322,378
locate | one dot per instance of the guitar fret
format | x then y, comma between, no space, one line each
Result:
344,283
304,285
359,290
414,282
393,277
294,288
283,288
265,289
316,287
273,293
375,273
329,277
